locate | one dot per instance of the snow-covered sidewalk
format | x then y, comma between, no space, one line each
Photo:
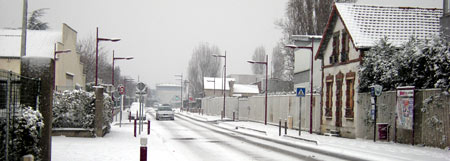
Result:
355,147
118,145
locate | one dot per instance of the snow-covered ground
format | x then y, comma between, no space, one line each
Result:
120,144
379,150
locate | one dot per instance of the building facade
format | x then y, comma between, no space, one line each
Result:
351,30
68,69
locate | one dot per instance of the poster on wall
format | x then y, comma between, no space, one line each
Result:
405,107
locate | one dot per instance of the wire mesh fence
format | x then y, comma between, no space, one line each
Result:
16,92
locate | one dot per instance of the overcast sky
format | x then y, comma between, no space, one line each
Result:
161,34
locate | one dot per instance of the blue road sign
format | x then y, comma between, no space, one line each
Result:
300,92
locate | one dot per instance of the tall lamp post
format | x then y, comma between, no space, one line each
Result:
311,79
98,39
224,80
181,90
55,52
267,81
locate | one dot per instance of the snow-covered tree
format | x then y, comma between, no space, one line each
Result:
26,127
260,56
76,109
35,23
419,63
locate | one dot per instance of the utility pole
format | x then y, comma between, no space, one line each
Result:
23,44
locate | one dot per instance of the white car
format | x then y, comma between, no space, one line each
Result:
165,112
134,110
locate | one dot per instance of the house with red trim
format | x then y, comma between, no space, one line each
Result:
352,29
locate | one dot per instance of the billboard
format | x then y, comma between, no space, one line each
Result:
405,107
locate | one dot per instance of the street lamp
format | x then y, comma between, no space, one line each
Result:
118,58
181,91
224,79
267,81
97,39
311,79
54,58
59,52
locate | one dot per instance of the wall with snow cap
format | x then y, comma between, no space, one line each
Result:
278,107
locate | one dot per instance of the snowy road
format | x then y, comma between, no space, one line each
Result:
194,140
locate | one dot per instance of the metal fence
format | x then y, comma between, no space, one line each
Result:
16,92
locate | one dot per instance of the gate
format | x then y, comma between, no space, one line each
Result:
16,92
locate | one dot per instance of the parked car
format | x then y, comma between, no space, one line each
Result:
165,112
134,110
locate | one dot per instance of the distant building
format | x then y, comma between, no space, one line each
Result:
169,94
213,87
245,78
68,68
302,64
243,90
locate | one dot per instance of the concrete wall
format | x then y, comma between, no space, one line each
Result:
68,63
431,117
278,107
10,63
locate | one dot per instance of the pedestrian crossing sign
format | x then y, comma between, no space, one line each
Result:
300,92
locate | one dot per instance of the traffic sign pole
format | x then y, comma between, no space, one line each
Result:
300,94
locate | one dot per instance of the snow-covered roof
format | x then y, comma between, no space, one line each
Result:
208,83
245,88
167,85
39,43
368,24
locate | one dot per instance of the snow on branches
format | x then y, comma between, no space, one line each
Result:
419,63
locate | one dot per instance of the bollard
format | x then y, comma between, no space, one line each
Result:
285,127
233,116
279,128
143,154
129,117
148,127
134,127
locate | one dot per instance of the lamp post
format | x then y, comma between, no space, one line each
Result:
54,58
118,58
224,80
97,39
181,90
311,79
114,59
267,81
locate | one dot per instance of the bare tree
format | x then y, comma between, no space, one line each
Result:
34,22
259,55
86,49
277,61
303,17
202,64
